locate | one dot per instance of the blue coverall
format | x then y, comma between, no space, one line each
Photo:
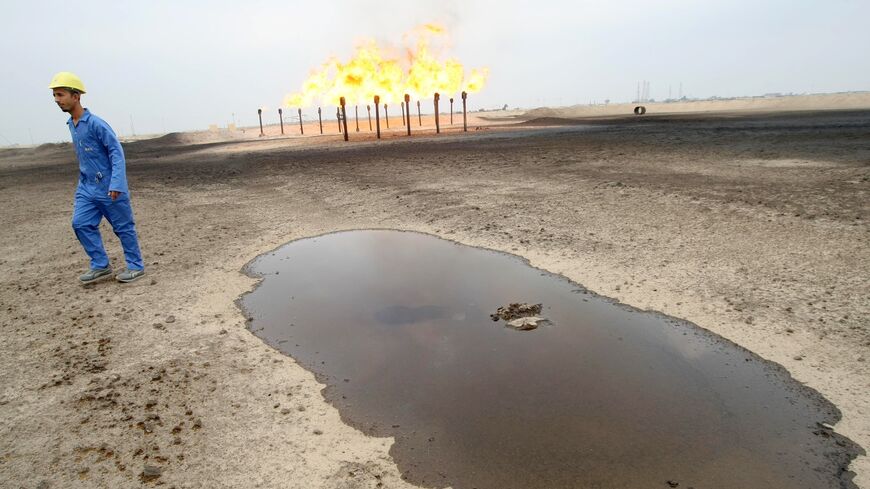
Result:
102,169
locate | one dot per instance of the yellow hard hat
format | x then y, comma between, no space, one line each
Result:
65,79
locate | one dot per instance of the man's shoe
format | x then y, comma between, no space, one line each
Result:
128,276
95,274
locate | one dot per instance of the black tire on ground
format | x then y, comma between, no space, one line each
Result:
640,110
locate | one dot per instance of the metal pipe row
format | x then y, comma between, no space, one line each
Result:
341,116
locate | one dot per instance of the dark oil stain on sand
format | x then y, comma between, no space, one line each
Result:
397,324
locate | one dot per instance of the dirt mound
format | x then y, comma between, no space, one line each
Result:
543,112
171,139
10,152
49,147
188,139
550,121
41,153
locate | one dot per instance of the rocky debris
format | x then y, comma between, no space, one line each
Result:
150,473
516,310
525,324
520,315
824,430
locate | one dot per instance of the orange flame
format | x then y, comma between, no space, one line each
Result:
375,70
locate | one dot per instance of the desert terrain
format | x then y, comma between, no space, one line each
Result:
750,222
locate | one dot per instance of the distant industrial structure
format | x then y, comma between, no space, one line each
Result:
643,93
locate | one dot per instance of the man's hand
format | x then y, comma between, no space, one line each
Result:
114,194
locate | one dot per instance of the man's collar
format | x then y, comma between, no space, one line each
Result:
85,116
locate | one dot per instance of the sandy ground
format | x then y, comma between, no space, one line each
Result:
755,228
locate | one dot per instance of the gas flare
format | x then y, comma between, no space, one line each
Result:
415,69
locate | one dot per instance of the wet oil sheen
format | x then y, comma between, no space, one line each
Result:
397,325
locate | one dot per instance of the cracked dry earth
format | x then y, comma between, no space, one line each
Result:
754,227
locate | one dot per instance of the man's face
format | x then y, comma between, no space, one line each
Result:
65,99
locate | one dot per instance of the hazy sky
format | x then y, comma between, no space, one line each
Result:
183,65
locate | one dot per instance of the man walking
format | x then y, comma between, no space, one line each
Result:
102,189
